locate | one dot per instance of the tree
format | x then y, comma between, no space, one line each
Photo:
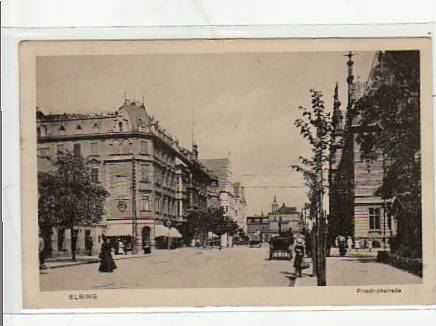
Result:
77,200
198,221
316,127
390,131
48,208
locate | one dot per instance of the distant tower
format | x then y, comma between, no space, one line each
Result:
195,150
275,205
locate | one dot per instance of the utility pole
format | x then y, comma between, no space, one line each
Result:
134,212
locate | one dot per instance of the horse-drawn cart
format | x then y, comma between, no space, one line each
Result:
280,247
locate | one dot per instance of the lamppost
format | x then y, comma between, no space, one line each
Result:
169,225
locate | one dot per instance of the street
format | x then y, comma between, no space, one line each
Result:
211,268
180,268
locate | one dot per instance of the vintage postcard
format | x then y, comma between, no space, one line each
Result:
208,173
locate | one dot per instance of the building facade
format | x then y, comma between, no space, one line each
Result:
355,209
151,179
284,218
259,224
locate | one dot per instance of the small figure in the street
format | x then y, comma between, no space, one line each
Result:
107,262
41,253
89,244
121,247
342,246
356,244
370,245
299,256
117,246
349,243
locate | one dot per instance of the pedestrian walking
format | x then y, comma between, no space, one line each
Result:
342,246
356,244
107,262
349,243
41,252
299,256
121,247
89,244
370,245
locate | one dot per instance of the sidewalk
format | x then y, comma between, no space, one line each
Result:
59,262
353,271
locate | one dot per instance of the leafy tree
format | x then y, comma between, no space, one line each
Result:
390,121
316,127
48,207
69,197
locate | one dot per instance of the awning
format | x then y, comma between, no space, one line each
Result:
175,233
163,231
119,229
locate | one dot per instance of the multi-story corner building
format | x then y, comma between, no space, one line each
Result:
355,209
284,218
152,180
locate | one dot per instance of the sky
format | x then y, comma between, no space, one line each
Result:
237,105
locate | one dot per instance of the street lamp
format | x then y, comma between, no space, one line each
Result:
169,224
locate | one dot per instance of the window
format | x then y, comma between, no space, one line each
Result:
116,148
120,126
125,147
145,203
61,128
94,175
59,148
374,218
79,127
144,147
94,148
76,149
38,132
144,172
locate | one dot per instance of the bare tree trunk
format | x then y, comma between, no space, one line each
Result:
73,244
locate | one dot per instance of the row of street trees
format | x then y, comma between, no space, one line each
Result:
201,222
68,198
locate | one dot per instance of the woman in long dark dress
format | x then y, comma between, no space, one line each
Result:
107,263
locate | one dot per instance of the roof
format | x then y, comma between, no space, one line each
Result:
285,210
221,168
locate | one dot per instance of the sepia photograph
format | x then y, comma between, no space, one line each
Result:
240,165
